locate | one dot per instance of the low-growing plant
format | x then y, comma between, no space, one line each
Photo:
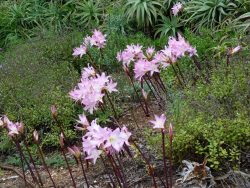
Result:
32,79
144,12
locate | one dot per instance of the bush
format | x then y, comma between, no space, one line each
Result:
212,120
33,77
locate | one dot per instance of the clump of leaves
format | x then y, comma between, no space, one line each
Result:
210,14
145,12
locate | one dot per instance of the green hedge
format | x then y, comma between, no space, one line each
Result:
34,76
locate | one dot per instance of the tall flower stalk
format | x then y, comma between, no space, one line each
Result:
159,123
36,140
65,159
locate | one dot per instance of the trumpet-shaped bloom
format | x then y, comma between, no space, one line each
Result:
159,122
13,128
90,90
83,120
150,51
98,138
98,39
144,66
80,51
176,8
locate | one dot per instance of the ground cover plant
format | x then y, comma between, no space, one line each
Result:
121,93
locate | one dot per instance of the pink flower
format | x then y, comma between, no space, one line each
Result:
144,66
159,122
88,72
235,50
94,154
118,138
80,51
176,8
150,51
90,90
83,120
98,39
14,128
98,138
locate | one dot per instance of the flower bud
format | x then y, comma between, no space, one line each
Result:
53,111
35,136
144,94
75,151
61,140
170,132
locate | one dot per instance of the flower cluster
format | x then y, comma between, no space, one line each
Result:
151,61
98,139
14,129
97,39
92,88
177,8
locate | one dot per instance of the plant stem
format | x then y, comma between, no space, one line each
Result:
83,171
112,105
131,81
69,169
150,89
154,87
180,72
45,165
105,170
151,169
171,162
25,160
164,156
176,74
21,157
122,170
159,77
32,161
93,62
115,170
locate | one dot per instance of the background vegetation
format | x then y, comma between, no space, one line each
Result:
37,68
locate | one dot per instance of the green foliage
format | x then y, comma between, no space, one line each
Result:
145,12
14,160
56,160
168,26
116,22
33,77
243,22
87,13
211,13
212,119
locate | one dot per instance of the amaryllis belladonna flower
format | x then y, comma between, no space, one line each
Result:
234,50
176,8
98,139
91,89
14,129
159,122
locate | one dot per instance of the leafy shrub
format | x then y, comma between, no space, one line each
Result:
212,120
145,12
33,77
211,13
87,13
168,26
